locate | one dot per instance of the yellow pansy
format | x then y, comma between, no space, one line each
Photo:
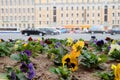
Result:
113,42
69,41
116,70
15,46
25,44
75,54
113,47
0,40
66,59
70,61
39,39
99,59
78,45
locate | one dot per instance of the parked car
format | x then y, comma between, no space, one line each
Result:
97,29
49,31
62,30
33,32
114,31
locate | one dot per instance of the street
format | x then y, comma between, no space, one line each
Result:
84,36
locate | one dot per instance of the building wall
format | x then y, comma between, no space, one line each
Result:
40,13
17,13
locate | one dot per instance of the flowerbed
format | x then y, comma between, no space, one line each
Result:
53,59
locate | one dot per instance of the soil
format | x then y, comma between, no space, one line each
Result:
43,64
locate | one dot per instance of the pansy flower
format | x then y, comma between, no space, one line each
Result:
28,52
70,61
24,67
108,39
100,43
30,39
47,41
116,70
31,71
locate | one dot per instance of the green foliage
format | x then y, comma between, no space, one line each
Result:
62,72
57,53
20,58
18,75
105,75
115,54
90,60
6,48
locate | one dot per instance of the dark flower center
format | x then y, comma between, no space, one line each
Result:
67,60
73,65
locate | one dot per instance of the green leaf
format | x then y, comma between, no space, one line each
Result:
15,57
3,76
21,76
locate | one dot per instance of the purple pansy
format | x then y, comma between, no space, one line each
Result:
109,48
24,67
13,76
31,72
28,52
100,43
118,43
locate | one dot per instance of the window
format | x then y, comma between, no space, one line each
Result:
72,8
82,14
82,8
72,14
87,22
2,17
72,22
87,15
119,14
105,18
77,22
77,14
47,8
40,22
113,14
77,8
62,15
2,25
98,7
28,10
32,10
113,7
61,8
39,8
93,14
98,14
93,7
2,10
66,15
32,17
66,8
93,21
47,22
87,7
47,15
54,18
112,21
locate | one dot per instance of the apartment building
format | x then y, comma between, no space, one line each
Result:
56,13
17,13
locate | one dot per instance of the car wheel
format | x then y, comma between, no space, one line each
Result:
114,33
26,34
92,32
104,32
40,34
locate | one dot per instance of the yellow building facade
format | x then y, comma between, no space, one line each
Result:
56,13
